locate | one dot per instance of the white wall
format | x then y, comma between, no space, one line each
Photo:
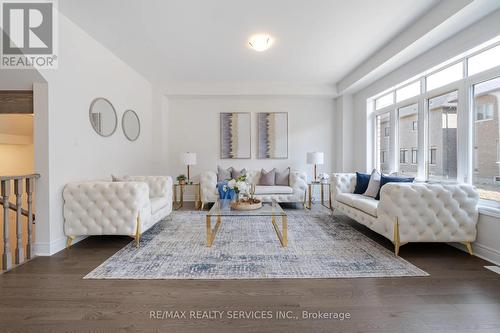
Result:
74,152
344,135
193,125
487,245
16,159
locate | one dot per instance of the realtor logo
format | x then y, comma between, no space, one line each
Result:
28,34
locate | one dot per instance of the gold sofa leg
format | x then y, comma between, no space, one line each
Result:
202,204
69,239
396,241
138,232
468,245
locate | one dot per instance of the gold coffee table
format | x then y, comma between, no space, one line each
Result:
222,208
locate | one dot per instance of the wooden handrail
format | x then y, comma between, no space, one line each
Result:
12,206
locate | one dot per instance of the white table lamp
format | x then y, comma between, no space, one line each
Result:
316,158
189,159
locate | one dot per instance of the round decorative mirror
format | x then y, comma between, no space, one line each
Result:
103,116
131,125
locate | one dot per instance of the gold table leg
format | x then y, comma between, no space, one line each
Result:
283,234
211,233
182,197
310,196
197,199
322,194
330,196
180,204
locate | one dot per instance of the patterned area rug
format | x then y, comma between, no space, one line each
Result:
319,246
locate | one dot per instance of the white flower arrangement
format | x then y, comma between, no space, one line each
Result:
239,185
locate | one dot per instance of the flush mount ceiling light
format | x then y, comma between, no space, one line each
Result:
260,42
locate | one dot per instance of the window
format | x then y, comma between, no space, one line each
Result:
484,60
411,90
414,156
403,156
484,111
442,124
486,176
433,156
383,155
429,147
384,101
383,121
408,137
445,76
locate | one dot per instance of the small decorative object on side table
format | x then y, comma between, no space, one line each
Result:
181,179
181,186
322,184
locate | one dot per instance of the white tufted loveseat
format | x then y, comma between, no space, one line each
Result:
412,212
128,207
295,193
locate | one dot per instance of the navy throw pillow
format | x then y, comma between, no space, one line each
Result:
362,180
391,179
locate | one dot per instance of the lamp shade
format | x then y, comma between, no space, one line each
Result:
189,158
315,157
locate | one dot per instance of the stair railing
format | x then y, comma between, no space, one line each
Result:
21,255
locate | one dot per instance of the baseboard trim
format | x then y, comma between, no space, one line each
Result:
48,249
481,251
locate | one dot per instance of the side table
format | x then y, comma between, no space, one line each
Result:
181,187
322,193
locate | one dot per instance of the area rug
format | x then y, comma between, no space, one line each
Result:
319,246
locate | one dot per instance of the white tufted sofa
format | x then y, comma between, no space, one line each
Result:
412,212
128,207
295,193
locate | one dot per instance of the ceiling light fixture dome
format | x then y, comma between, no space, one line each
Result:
260,42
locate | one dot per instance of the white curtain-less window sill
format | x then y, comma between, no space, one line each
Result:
490,208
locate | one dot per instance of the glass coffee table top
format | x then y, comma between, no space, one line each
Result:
223,208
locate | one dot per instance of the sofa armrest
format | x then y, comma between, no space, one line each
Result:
298,182
429,212
208,186
343,183
159,186
105,208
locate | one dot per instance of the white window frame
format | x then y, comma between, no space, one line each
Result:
465,122
414,161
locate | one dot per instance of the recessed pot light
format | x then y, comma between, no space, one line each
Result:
260,42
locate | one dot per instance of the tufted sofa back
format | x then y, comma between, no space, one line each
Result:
343,183
104,207
430,212
159,186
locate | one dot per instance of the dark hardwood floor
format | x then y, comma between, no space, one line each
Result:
48,294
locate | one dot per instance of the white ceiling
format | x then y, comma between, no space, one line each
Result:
203,42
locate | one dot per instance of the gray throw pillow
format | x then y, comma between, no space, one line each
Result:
267,178
117,178
223,174
283,178
374,184
235,173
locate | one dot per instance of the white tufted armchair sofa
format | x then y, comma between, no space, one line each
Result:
295,193
412,212
128,207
